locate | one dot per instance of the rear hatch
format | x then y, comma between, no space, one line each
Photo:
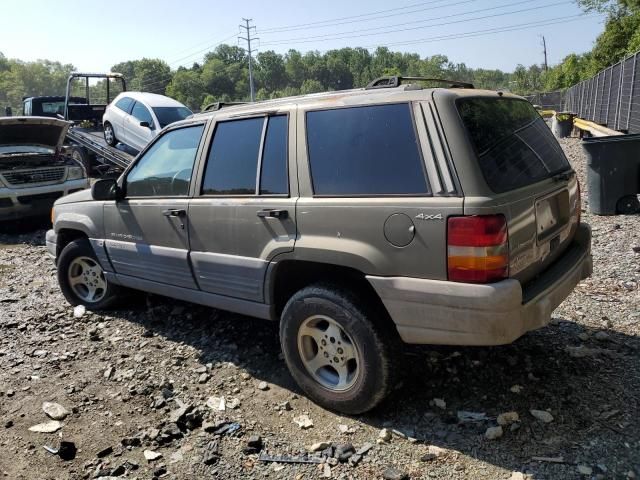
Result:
521,173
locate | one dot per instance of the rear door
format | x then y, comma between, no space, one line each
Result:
372,197
517,168
147,232
243,214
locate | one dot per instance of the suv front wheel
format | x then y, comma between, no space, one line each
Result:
81,278
336,351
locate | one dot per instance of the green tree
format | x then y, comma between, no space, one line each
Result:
271,72
146,75
187,87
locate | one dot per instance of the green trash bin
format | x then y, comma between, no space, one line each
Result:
613,174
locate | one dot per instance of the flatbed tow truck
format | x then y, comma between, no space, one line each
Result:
85,139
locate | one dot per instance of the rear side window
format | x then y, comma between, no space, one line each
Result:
365,151
124,104
274,178
234,158
515,147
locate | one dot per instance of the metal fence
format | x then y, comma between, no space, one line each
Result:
548,100
611,98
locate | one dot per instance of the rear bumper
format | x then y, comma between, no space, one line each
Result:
18,203
449,313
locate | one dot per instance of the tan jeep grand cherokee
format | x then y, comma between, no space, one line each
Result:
357,219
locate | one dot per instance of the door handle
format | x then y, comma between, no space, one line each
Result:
273,213
174,213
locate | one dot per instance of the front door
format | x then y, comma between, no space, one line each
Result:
138,136
243,214
147,233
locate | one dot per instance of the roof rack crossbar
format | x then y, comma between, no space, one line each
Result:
212,107
396,81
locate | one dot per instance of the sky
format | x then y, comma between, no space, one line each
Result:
93,36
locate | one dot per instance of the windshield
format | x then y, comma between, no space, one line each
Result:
7,149
167,115
515,147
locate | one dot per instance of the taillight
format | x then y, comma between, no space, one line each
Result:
478,248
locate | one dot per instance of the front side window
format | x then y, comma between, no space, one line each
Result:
141,113
365,151
165,169
124,104
234,157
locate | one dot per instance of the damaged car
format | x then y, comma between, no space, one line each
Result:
34,170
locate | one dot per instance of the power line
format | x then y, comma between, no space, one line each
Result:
360,17
414,22
247,28
347,35
156,80
477,33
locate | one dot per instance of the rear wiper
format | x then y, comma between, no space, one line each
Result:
564,176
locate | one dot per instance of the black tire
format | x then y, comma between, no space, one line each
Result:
628,205
376,344
81,156
112,141
78,249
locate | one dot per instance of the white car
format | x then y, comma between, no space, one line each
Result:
135,118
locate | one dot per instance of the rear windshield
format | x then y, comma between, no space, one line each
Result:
514,145
167,115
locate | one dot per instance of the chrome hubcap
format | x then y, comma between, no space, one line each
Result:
328,353
108,134
86,279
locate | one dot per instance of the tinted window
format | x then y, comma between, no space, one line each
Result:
165,169
168,115
365,151
124,104
274,178
53,108
514,145
233,158
142,113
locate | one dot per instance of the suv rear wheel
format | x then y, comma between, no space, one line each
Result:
335,350
82,279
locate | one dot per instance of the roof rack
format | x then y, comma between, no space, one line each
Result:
395,81
212,107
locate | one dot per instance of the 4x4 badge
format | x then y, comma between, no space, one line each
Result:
423,216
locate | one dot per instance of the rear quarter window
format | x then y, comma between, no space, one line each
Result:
359,151
515,148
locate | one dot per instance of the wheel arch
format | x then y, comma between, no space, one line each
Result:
66,236
286,277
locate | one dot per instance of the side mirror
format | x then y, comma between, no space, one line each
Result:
105,189
145,124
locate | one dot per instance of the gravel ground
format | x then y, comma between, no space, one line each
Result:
141,382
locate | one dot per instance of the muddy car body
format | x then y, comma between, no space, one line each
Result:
359,220
34,172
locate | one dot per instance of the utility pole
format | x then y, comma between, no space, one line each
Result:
544,46
248,28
